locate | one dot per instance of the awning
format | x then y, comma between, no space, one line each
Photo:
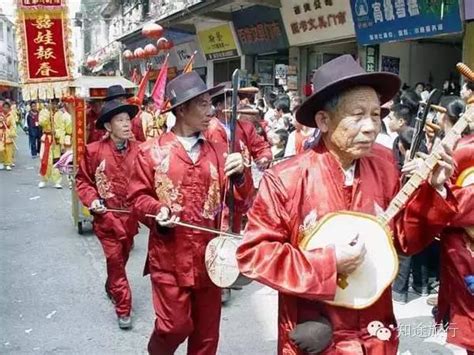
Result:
9,83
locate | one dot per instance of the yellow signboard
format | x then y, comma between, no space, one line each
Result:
218,42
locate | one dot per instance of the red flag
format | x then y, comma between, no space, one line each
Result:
189,65
158,92
142,86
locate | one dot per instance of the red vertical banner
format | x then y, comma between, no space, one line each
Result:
45,56
80,130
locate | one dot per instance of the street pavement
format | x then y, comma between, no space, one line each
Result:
53,301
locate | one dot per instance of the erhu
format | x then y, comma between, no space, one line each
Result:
220,256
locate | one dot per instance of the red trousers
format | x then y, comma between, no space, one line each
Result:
183,312
116,255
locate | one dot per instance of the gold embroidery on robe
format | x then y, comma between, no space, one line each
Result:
103,185
212,203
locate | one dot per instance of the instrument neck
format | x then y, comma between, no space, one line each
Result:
422,173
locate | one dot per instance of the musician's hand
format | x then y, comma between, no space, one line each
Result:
234,164
444,169
349,257
165,219
411,166
97,207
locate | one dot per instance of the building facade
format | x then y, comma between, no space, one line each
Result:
9,76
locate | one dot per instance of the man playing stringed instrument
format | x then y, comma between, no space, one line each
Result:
102,182
298,199
182,175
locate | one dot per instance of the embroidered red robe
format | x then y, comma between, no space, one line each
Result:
292,197
186,302
104,173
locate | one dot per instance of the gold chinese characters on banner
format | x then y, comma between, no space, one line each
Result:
45,56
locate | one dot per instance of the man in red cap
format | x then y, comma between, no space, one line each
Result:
102,183
345,171
182,175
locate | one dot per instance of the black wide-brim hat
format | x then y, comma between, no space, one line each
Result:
116,91
186,87
112,108
340,74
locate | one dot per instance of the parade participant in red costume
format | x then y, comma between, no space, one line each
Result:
248,142
344,171
102,182
456,292
182,175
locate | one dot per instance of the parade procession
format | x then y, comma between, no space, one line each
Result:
237,177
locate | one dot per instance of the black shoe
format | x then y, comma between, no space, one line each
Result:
225,295
399,298
125,322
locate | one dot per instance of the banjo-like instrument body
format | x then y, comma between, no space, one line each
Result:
366,284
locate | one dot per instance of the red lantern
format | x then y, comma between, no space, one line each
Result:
169,45
152,30
127,54
91,61
150,50
139,53
162,43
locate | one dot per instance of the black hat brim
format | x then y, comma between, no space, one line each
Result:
385,84
112,97
212,91
132,111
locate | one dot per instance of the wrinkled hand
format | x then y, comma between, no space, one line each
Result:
97,207
313,336
165,219
234,164
444,169
349,256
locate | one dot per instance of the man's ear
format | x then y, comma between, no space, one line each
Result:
322,121
108,126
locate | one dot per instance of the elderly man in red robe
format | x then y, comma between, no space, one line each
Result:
182,175
345,171
102,183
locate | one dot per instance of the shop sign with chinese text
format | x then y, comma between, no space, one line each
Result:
45,58
218,42
315,21
260,30
378,21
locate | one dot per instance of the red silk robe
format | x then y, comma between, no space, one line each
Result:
251,145
104,174
164,175
292,197
457,257
187,304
